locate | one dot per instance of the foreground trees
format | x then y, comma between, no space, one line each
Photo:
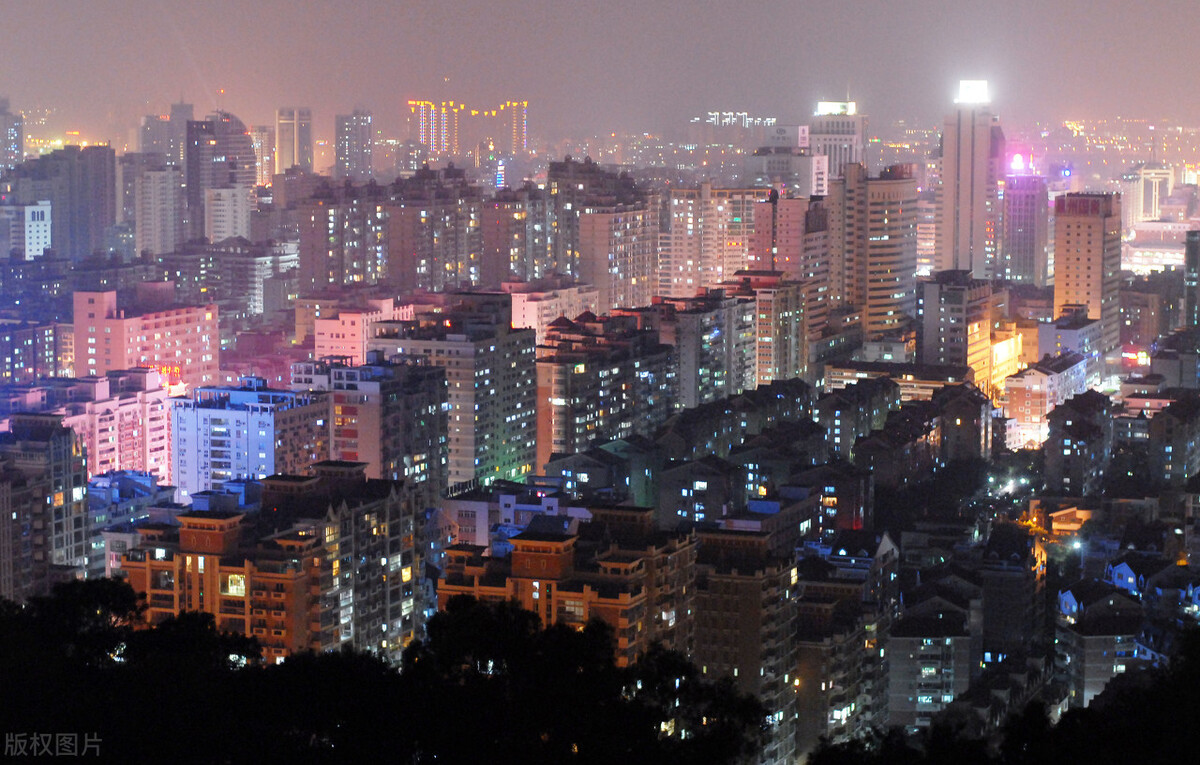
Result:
489,682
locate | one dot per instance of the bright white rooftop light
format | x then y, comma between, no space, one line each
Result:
972,92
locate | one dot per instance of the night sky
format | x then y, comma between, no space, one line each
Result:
599,66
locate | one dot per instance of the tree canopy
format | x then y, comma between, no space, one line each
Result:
488,682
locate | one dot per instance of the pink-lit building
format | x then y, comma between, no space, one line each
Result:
345,333
121,418
182,342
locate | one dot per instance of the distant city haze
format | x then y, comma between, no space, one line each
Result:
587,68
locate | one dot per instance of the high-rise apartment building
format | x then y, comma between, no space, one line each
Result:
618,251
1026,227
600,379
1087,255
182,342
969,208
839,132
715,340
447,126
340,568
121,418
80,185
26,230
354,145
45,451
491,377
873,244
12,137
706,238
781,338
392,416
293,139
956,322
251,431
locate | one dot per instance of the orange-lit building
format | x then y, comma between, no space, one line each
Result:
272,593
639,583
341,570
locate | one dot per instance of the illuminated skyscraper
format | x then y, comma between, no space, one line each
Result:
293,139
437,125
355,139
972,167
839,132
262,139
1087,266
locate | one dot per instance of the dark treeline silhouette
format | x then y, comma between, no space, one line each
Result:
1141,717
488,684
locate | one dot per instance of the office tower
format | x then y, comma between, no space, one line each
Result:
392,416
26,230
80,184
293,139
181,115
1191,281
182,342
1026,227
1087,268
873,245
249,431
12,138
155,135
839,132
355,141
262,140
1143,192
43,450
491,373
969,214
600,379
706,237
